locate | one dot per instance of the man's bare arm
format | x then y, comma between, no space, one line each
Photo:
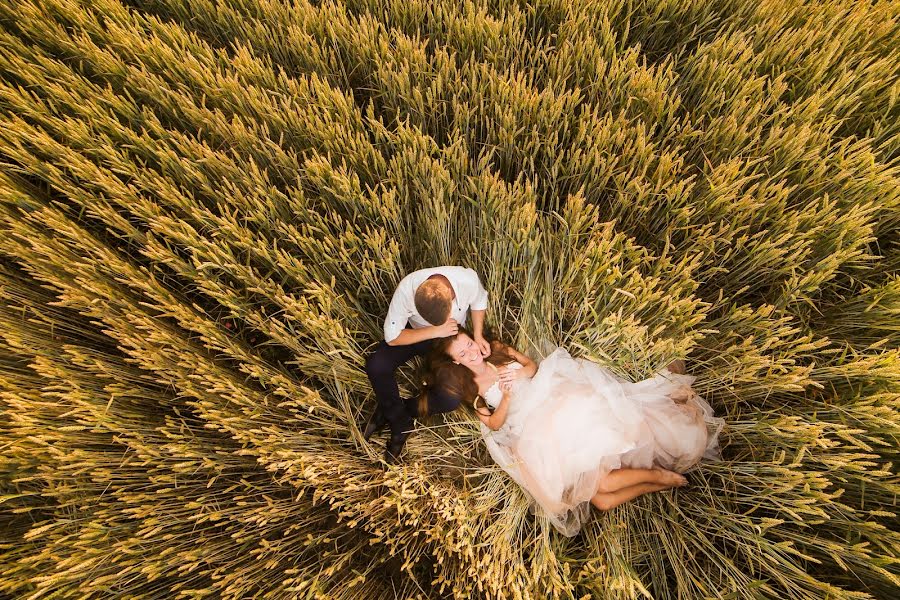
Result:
413,336
477,322
408,337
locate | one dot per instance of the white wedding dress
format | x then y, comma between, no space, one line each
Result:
574,422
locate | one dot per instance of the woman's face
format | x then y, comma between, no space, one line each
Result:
465,351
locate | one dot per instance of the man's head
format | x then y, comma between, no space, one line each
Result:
434,298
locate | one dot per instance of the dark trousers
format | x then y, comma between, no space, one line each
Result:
381,367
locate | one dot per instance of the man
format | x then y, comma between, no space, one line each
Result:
428,304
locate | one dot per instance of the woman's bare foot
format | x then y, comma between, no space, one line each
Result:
671,478
678,367
682,394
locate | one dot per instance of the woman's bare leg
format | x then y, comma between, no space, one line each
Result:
623,478
608,500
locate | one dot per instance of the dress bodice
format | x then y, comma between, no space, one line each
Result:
494,394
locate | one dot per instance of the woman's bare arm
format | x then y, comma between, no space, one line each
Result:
529,367
496,420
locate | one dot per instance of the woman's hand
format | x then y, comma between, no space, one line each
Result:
507,376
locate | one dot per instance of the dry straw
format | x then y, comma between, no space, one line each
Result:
204,210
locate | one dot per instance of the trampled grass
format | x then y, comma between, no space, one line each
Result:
205,207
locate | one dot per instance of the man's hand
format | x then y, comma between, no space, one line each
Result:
450,327
483,345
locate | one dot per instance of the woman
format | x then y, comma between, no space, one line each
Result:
570,432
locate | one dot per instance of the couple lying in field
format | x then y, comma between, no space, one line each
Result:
568,431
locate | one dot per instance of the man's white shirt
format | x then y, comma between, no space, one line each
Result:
469,295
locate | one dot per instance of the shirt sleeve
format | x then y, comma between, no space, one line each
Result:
480,302
397,317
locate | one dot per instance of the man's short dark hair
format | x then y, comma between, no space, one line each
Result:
433,302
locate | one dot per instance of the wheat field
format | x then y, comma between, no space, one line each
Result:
205,207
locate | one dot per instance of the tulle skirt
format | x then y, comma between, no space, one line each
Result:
575,421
